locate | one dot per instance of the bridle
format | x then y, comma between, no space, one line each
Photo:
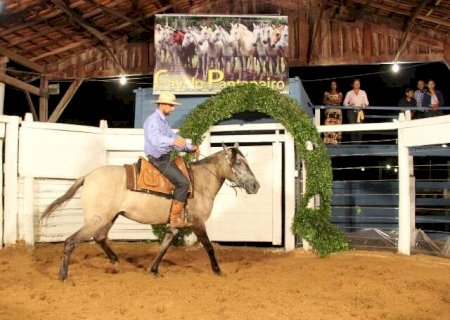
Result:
232,185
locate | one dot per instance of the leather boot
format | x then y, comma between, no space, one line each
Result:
177,215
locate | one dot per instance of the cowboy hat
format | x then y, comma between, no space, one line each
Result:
167,98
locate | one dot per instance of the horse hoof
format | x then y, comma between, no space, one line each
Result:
219,273
116,268
156,274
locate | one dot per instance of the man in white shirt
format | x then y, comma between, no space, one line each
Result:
356,98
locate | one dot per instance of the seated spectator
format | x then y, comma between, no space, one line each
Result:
332,116
432,100
408,100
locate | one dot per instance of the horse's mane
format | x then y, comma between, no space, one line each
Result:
209,159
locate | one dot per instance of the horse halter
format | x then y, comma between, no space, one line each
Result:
236,174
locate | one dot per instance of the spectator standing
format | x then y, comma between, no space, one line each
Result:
332,116
356,98
408,100
418,96
419,93
432,100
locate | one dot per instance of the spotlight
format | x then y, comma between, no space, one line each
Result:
363,169
123,80
395,170
395,67
388,166
444,146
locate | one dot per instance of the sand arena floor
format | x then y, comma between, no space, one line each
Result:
259,283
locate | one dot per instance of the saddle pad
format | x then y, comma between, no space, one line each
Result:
143,176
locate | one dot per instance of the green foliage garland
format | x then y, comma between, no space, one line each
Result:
311,224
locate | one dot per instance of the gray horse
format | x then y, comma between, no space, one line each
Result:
105,197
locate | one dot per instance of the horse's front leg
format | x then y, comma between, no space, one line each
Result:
200,231
168,238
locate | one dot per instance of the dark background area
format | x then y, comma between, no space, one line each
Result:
107,99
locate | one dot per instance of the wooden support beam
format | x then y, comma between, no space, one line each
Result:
367,40
19,84
423,17
65,100
60,50
85,25
409,26
148,15
21,60
316,27
43,100
31,105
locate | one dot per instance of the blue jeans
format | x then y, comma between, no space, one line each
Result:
171,171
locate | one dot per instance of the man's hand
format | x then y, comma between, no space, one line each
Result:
196,150
179,142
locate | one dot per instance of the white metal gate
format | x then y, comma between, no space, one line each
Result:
257,217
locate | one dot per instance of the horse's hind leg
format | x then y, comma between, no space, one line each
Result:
168,238
100,239
84,234
202,236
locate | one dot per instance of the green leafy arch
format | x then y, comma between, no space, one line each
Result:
311,224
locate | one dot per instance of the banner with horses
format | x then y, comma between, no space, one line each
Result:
203,54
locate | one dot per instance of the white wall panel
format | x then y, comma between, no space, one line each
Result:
59,153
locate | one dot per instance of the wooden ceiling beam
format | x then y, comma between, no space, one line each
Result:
33,36
70,46
44,18
119,27
93,31
148,15
19,84
409,25
116,14
21,60
423,17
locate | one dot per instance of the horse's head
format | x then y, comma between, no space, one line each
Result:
275,35
284,39
239,171
187,40
265,33
256,36
205,34
216,35
235,33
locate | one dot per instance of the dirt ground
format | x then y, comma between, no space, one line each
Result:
259,283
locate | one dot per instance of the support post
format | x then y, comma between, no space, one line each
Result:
43,100
277,218
11,160
404,186
306,245
289,191
3,62
28,211
317,117
1,195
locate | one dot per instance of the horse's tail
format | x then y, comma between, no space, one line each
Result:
61,200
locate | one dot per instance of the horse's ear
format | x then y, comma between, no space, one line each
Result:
236,145
225,147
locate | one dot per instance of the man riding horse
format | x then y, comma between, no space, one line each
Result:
160,141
